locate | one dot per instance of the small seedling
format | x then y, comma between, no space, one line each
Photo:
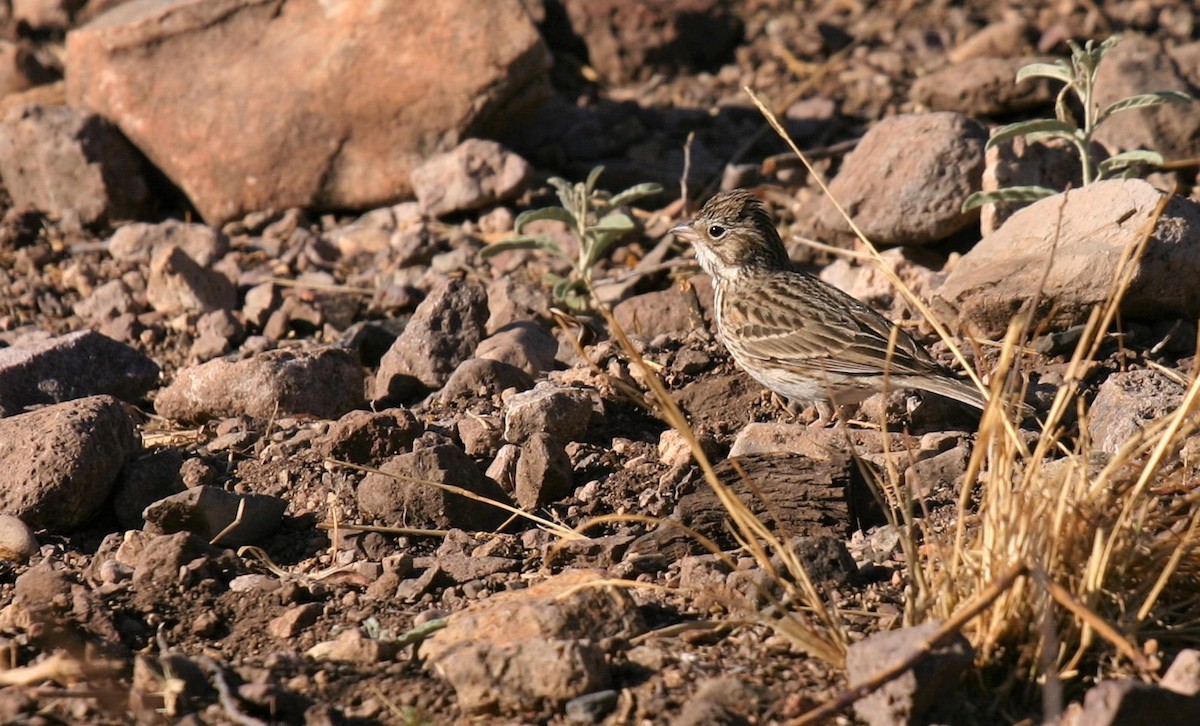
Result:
1079,75
596,218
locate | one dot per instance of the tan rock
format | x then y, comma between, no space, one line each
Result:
1081,240
250,104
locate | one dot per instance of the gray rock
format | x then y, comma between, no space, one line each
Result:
179,284
1126,402
510,301
170,559
83,363
443,332
523,344
908,698
208,511
261,301
1183,675
325,382
651,314
1140,65
474,174
217,333
60,160
368,437
543,472
58,464
548,408
484,377
17,541
140,241
405,502
906,181
106,302
528,648
591,707
983,87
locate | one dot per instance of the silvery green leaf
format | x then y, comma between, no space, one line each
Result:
1010,195
1144,100
1126,159
1023,128
635,193
592,178
522,242
557,214
1058,71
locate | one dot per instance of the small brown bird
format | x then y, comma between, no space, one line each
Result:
800,337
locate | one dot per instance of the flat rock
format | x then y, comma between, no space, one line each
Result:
325,382
336,121
674,310
168,559
524,649
1001,274
442,333
900,192
413,501
473,174
83,363
58,464
60,160
210,511
908,698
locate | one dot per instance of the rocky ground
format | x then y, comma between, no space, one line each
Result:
257,378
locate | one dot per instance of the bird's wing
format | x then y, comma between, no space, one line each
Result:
793,318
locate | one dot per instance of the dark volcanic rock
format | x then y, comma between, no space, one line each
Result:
58,464
84,363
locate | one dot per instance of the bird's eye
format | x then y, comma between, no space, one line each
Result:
716,231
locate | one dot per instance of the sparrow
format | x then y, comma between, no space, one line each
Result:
802,338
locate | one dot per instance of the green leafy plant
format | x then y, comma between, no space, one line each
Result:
598,220
1079,77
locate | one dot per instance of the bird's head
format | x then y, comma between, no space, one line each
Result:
733,233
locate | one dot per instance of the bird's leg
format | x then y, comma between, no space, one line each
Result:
828,414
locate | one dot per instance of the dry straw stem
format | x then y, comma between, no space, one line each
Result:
1103,550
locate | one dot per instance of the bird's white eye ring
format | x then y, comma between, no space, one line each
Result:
716,231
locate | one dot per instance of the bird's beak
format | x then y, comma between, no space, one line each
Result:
685,232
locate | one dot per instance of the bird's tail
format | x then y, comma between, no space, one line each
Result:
961,391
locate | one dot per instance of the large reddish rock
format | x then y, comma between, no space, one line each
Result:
251,104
